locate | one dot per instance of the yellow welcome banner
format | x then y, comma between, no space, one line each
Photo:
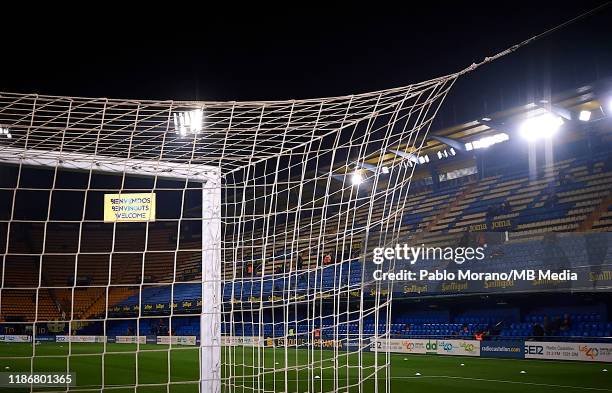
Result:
135,207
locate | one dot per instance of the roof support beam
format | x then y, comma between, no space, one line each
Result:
409,156
455,144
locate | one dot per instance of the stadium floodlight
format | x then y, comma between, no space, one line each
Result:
584,116
5,132
539,127
486,141
423,159
384,169
446,153
189,122
356,178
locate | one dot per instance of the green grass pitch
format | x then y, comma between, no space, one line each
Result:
437,373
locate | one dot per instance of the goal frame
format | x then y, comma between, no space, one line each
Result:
210,178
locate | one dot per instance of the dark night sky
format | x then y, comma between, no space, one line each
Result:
302,53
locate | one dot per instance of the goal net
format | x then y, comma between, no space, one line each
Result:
204,246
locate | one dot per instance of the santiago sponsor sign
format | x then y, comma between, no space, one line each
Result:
586,352
459,347
502,349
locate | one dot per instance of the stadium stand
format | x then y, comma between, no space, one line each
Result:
530,215
540,210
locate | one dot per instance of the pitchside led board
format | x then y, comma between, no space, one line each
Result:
134,207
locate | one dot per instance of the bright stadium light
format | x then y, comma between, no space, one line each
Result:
584,116
446,153
485,142
356,178
423,159
384,169
5,132
543,126
189,122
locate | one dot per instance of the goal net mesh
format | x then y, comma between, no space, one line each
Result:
271,291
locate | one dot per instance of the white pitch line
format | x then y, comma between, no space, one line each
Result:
471,379
425,355
504,381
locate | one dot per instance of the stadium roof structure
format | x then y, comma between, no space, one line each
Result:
581,98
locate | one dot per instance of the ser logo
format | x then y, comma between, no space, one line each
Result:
534,349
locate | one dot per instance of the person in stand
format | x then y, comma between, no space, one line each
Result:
556,325
566,324
327,259
548,326
300,262
537,330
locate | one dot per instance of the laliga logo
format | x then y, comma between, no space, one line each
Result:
446,346
589,352
467,347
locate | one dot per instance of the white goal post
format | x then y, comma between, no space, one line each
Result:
210,177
